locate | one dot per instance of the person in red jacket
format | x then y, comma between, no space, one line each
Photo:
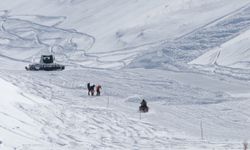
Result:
98,90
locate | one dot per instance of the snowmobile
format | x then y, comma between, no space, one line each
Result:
46,63
143,109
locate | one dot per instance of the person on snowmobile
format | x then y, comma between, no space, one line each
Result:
143,107
143,103
98,88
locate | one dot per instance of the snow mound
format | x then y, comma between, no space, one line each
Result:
177,53
16,125
234,54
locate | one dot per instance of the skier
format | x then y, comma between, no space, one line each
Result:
143,107
98,88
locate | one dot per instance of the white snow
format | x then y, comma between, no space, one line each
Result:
17,128
234,53
188,58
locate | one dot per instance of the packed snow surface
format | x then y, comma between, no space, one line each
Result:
189,59
234,53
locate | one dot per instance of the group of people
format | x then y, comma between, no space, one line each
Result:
93,88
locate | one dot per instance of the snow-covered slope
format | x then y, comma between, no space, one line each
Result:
124,23
17,127
177,53
29,122
116,28
130,47
234,54
178,103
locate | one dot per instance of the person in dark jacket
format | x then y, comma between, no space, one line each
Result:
143,107
88,86
143,103
92,90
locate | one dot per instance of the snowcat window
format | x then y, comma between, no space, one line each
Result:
47,59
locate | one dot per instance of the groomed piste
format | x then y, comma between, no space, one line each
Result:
188,59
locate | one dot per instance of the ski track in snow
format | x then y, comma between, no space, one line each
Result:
24,35
73,120
77,121
174,54
177,53
73,126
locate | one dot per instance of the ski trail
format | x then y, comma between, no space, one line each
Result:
180,47
215,21
34,36
176,54
77,121
74,48
84,126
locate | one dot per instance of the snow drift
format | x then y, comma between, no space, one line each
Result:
136,44
17,127
234,54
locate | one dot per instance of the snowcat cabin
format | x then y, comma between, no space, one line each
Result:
47,59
